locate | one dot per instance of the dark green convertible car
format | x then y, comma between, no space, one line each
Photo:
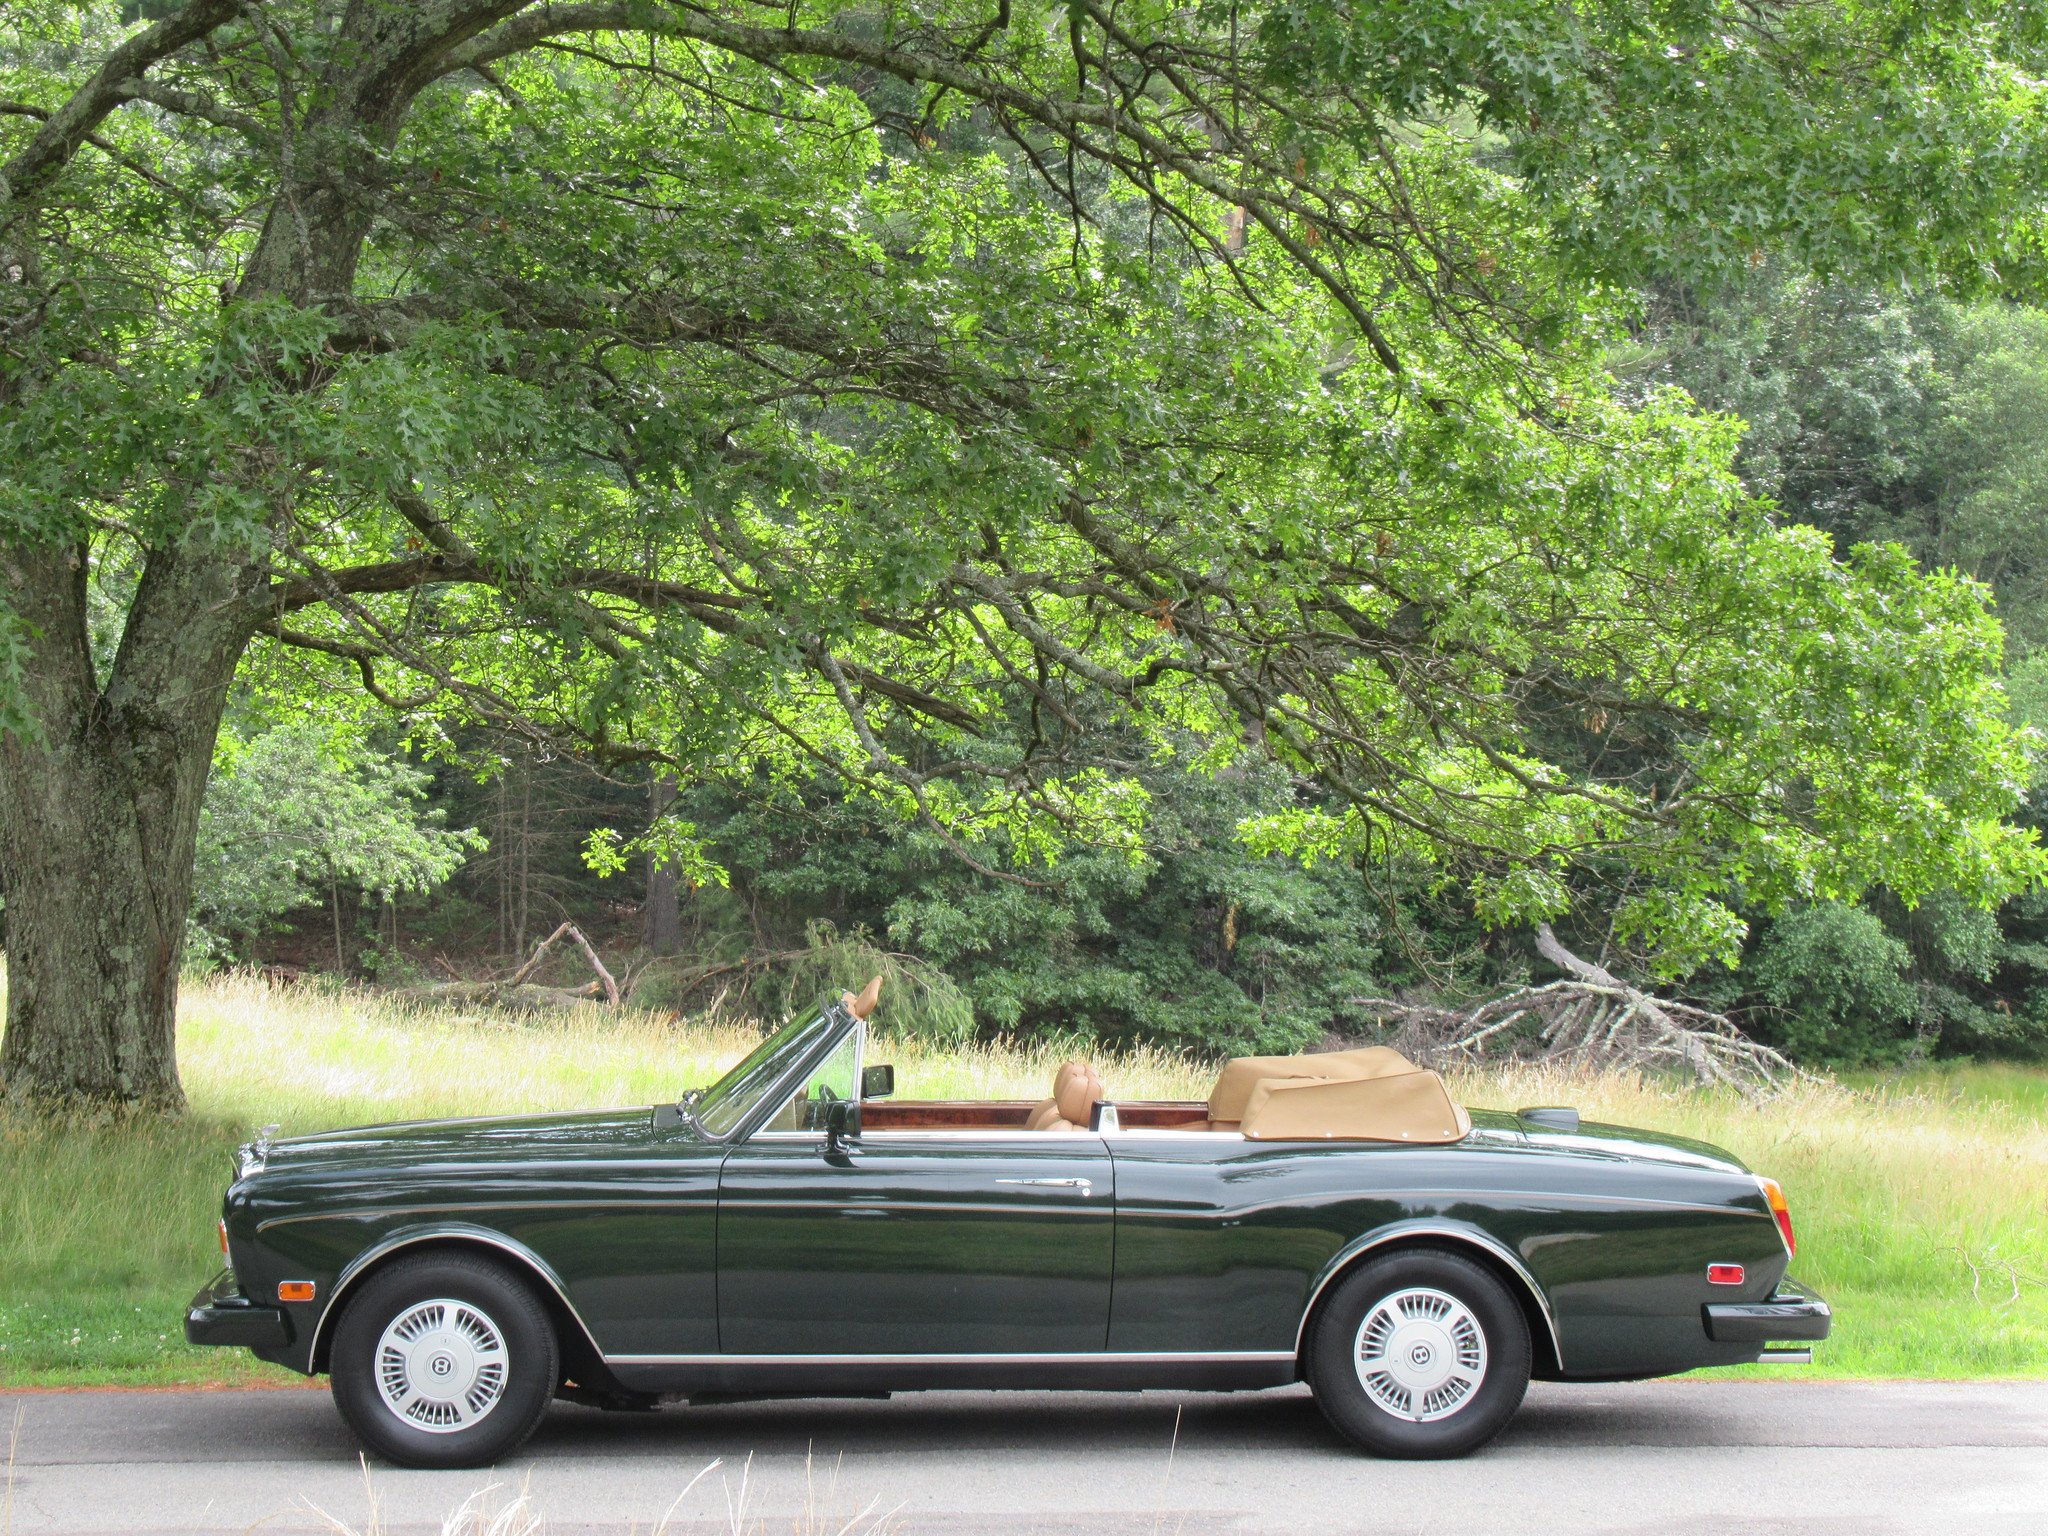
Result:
793,1231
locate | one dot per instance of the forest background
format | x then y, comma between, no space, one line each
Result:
1163,526
332,845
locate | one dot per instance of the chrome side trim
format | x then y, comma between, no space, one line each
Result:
1079,1141
1044,1141
1016,1133
1143,1133
1096,1357
1466,1193
707,1201
527,1258
1412,1230
882,1205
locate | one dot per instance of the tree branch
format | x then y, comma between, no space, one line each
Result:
185,104
1066,119
384,576
43,158
364,657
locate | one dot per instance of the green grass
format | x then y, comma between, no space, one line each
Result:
1899,1185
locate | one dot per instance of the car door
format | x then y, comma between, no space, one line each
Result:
1220,1239
944,1242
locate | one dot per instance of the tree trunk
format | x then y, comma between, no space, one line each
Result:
661,914
524,890
501,852
99,800
99,814
334,897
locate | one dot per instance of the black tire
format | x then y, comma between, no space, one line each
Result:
1468,1404
440,1402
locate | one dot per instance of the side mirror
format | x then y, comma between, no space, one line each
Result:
877,1082
842,1120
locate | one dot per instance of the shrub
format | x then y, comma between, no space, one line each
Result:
1837,984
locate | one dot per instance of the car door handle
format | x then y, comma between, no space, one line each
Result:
1082,1185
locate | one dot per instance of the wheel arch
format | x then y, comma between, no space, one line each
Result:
581,1357
1466,1242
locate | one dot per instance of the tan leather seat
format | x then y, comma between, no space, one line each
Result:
1075,1092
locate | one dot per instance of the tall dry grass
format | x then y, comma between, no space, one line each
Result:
1921,1201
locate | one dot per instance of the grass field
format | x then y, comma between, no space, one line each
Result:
1921,1201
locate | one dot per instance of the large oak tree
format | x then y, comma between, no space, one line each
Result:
890,389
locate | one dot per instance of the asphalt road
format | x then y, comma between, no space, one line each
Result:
1716,1458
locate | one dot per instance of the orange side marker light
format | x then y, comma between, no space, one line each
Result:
294,1290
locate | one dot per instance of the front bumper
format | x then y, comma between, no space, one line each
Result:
221,1314
1791,1315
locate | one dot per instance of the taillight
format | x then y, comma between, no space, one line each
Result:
1782,1214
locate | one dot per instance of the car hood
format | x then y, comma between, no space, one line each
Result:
486,1137
1626,1142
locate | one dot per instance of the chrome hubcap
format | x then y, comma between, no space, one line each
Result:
1420,1355
441,1366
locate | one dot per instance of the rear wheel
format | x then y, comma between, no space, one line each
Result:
1420,1354
445,1360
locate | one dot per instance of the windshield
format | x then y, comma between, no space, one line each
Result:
836,1077
728,1100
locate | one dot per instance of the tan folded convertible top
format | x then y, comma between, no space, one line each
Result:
1374,1094
1411,1106
1242,1074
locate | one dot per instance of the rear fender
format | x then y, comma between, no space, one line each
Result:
1435,1232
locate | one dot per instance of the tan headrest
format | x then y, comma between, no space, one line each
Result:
1242,1074
1076,1090
864,1005
1407,1106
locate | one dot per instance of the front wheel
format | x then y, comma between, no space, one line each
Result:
444,1361
1420,1354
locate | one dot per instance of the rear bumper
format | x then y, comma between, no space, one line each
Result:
1791,1315
221,1314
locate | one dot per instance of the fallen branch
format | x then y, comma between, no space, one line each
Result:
1593,1020
604,977
502,996
2013,1275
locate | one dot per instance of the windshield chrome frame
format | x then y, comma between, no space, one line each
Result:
860,1057
837,1019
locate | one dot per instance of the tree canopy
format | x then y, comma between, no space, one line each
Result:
910,394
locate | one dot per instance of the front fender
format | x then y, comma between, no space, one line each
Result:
448,1234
